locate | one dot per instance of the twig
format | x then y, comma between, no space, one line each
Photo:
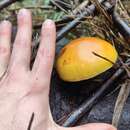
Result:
89,11
64,4
122,26
125,66
30,122
80,8
102,10
87,105
106,59
45,7
122,6
57,5
74,12
121,99
5,3
72,24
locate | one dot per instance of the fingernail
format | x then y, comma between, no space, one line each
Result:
5,23
23,12
48,23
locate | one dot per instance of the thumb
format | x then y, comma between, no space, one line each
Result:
91,126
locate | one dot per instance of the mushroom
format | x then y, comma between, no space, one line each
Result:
85,58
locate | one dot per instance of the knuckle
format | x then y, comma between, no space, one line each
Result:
46,54
5,23
4,50
5,28
21,43
4,33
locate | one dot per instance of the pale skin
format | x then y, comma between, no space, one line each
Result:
24,91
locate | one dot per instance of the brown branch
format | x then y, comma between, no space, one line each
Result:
88,11
101,9
121,100
80,8
60,7
122,26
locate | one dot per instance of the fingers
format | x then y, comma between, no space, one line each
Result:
44,60
92,126
20,57
5,39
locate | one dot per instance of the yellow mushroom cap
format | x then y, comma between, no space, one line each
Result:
85,58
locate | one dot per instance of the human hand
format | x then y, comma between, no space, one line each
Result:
24,91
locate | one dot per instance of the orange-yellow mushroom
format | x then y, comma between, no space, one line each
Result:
85,58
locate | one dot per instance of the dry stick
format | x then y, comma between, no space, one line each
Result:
124,29
122,7
57,5
80,8
89,11
45,7
75,22
121,99
102,57
5,3
64,4
87,105
126,67
102,10
30,122
76,12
